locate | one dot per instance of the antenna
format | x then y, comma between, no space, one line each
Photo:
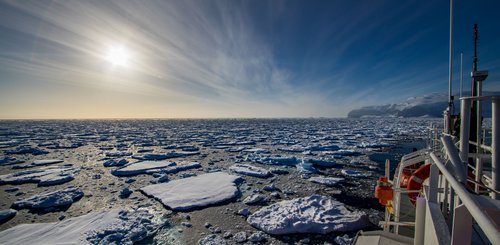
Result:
461,74
450,98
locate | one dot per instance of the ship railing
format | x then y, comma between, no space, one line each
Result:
481,149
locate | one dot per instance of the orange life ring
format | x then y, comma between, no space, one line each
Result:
416,181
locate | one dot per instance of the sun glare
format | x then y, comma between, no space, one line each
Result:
118,56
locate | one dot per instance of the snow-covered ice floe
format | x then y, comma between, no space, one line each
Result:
106,227
43,176
150,167
249,170
353,173
328,181
163,156
50,201
195,192
312,214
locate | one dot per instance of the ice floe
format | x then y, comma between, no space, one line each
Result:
43,176
212,240
328,181
255,199
354,173
27,150
8,160
195,192
250,170
115,162
6,215
163,156
50,201
150,167
312,214
105,227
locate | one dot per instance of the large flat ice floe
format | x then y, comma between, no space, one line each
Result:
150,167
250,170
313,214
107,227
195,192
43,176
50,201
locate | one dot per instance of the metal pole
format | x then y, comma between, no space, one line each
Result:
479,161
461,74
495,150
464,130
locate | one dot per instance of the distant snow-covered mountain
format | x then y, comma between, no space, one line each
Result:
430,105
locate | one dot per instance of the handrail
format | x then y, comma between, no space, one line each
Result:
486,224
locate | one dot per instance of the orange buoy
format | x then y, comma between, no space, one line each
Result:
383,190
416,181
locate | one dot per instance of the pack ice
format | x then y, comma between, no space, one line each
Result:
195,192
312,214
105,227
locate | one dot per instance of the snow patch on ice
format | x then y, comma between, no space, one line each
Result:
195,192
313,214
106,227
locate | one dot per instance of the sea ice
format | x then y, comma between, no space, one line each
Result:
115,162
46,162
149,167
212,240
163,156
50,201
7,214
195,192
249,170
328,181
43,176
255,199
8,160
312,214
353,173
26,149
105,227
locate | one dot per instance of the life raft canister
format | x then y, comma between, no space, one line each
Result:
416,181
383,190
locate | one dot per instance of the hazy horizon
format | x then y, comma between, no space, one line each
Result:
232,59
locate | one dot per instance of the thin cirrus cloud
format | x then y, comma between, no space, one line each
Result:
214,58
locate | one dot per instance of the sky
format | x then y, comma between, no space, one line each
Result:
231,58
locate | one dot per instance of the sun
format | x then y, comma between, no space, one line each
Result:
118,55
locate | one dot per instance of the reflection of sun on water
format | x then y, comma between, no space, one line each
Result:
117,56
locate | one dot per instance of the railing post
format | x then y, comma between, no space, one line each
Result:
462,226
464,130
495,150
420,221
